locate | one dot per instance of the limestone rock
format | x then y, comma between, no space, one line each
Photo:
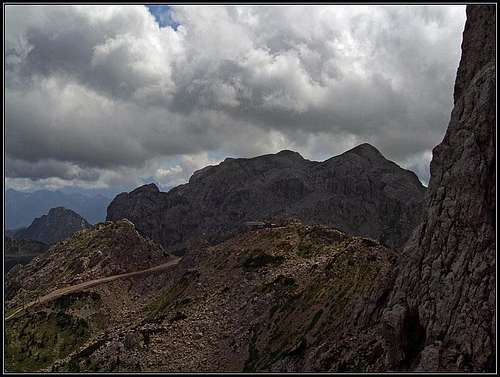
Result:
359,192
441,315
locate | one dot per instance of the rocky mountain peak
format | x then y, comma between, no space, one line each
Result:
55,211
365,150
368,196
148,188
58,224
61,211
297,297
290,154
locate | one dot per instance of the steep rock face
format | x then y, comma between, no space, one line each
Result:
58,224
360,192
441,314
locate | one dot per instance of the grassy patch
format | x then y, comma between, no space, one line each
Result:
168,299
268,236
34,342
76,300
306,248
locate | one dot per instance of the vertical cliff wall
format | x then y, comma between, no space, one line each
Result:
441,314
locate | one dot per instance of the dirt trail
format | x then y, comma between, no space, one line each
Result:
91,283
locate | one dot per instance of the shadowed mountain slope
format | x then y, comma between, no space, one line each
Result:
58,224
359,192
441,316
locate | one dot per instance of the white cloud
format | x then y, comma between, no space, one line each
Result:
105,90
162,173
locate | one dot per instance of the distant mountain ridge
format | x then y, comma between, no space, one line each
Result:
21,251
58,224
22,207
295,298
359,191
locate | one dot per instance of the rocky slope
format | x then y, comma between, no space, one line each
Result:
360,192
284,299
295,298
21,251
106,249
441,315
58,224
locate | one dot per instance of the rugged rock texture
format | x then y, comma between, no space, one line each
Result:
441,315
359,192
294,298
106,249
21,251
58,224
74,325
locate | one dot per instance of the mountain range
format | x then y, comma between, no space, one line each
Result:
359,192
356,267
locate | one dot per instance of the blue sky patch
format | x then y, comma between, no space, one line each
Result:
163,15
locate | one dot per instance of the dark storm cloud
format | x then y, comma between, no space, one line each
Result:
106,90
47,169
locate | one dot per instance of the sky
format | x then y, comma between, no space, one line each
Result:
122,95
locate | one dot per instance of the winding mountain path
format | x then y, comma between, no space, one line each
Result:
91,283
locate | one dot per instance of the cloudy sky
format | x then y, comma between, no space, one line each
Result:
99,96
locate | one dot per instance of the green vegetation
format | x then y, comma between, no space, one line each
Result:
306,249
76,300
301,314
10,312
34,341
168,299
268,236
318,238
